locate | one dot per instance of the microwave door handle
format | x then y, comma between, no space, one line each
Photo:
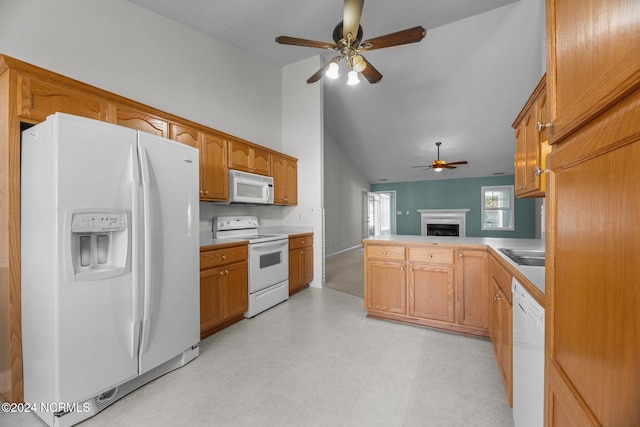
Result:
265,192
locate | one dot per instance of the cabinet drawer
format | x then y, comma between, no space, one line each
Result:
218,257
300,242
391,253
433,255
501,276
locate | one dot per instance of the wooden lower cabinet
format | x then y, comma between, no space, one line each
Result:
500,332
501,322
431,291
300,262
385,287
428,285
472,288
224,290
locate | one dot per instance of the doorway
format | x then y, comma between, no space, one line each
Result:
379,214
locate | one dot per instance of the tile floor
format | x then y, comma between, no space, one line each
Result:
317,360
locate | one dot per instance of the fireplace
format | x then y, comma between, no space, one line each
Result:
443,222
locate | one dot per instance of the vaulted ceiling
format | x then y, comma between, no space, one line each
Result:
463,84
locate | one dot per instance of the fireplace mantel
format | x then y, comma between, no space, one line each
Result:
443,216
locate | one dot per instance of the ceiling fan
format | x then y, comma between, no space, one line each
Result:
347,37
438,165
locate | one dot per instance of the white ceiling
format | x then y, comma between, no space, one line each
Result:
463,84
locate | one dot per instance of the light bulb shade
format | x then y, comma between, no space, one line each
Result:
437,169
332,72
353,78
359,64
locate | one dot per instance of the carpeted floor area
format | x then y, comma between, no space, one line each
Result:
345,272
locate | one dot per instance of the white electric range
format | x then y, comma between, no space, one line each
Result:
268,261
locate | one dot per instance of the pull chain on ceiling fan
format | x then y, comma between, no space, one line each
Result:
438,165
347,37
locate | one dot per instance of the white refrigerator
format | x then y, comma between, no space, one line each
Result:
109,263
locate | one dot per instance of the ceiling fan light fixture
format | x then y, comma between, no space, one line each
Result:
437,169
353,78
332,72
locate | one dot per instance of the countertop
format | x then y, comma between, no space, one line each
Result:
207,239
535,275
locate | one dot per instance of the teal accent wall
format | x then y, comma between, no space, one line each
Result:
456,194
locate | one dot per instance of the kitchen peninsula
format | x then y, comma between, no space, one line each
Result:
459,284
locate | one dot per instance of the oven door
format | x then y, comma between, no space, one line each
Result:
268,264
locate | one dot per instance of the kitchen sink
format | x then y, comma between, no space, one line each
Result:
525,256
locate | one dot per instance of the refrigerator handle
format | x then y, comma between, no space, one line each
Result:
136,254
146,209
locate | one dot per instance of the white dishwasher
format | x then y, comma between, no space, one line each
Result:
528,358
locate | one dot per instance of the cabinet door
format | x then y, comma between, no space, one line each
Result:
472,290
236,290
279,168
184,134
211,299
38,99
506,343
386,287
141,120
295,270
594,57
261,161
291,176
307,265
214,177
495,322
240,156
500,332
431,291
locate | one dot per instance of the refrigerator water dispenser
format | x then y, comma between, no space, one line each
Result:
99,245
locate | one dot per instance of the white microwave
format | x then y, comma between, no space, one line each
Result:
250,188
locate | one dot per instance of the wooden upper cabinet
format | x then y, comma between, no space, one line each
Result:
214,177
248,157
592,62
140,120
38,99
184,134
285,180
531,134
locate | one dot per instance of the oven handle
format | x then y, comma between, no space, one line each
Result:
265,246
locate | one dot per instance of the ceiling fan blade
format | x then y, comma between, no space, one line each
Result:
318,74
370,73
448,166
458,163
351,17
304,42
410,35
423,166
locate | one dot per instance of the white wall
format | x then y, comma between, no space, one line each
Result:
123,48
344,185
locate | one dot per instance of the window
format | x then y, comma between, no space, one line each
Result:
497,208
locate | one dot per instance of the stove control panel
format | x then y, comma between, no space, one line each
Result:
223,223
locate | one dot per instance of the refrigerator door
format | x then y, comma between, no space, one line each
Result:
93,184
170,174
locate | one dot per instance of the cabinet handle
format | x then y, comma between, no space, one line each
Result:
226,272
496,297
460,255
224,256
384,252
206,191
401,268
221,272
430,255
539,171
540,126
